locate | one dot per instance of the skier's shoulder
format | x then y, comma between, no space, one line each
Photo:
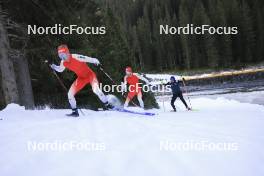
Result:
136,75
133,75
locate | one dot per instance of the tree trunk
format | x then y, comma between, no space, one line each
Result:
9,85
24,82
2,98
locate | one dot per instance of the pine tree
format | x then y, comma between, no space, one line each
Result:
185,40
248,33
223,42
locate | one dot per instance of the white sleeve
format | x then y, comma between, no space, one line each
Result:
142,78
83,58
125,80
59,68
124,84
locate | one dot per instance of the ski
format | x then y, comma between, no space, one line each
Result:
126,111
192,110
133,112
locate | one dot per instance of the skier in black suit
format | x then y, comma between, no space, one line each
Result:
176,91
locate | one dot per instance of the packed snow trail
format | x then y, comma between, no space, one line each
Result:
133,142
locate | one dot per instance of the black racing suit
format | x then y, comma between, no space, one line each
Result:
176,91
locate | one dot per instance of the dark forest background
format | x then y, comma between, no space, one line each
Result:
132,38
140,19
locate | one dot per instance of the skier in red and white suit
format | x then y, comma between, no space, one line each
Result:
134,86
77,64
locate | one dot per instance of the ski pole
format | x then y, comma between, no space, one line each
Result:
163,95
115,83
58,78
186,91
61,83
163,103
107,74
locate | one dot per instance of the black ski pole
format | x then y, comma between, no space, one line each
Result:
61,82
186,91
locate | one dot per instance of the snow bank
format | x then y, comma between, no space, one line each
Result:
14,107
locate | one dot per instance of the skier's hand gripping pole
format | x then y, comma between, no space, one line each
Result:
56,75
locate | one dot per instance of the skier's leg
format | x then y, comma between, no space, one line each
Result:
130,96
71,98
183,101
139,97
174,97
127,102
77,85
98,91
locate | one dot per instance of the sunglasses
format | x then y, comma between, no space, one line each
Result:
63,56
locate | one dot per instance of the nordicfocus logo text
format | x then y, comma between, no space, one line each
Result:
191,29
59,29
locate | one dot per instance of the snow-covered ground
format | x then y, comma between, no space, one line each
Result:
224,137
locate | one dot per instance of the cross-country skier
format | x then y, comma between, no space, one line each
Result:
176,91
132,79
77,64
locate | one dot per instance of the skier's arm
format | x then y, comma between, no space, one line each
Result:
142,78
125,80
181,80
57,68
124,85
167,83
82,58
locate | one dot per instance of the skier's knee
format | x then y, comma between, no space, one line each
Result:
72,100
99,93
96,90
70,95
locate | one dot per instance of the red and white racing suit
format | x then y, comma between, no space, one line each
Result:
135,88
77,64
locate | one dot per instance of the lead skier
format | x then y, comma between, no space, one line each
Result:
77,64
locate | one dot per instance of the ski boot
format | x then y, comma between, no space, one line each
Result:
107,106
74,113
